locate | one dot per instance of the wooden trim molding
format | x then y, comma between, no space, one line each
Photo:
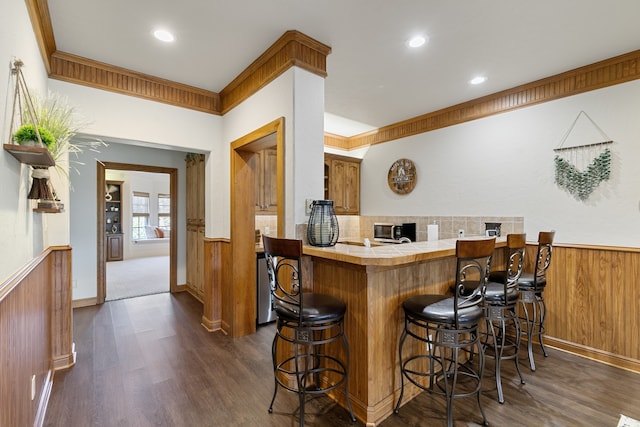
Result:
76,69
84,302
296,49
292,49
239,296
336,141
616,70
42,29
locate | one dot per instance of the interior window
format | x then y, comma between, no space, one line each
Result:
140,215
164,212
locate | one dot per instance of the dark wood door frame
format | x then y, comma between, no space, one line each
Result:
101,238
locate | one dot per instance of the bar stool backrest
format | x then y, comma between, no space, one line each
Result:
543,259
516,245
283,257
473,260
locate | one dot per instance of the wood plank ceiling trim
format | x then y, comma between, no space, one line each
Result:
292,49
42,29
87,72
295,48
601,74
336,141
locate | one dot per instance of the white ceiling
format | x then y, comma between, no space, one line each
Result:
372,78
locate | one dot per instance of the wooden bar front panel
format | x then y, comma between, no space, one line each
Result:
374,322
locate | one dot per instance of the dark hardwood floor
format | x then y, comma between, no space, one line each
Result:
147,362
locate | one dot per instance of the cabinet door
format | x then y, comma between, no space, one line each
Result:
352,188
114,247
345,186
270,180
338,190
266,183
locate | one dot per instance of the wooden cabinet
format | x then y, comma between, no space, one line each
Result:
112,221
195,225
342,183
114,247
266,183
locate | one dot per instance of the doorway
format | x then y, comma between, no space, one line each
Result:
102,219
240,299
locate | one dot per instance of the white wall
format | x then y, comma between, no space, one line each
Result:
296,95
112,115
504,165
23,231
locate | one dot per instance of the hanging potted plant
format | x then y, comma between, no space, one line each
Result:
53,123
58,121
31,135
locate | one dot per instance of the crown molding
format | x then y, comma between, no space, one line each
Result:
87,72
41,22
336,141
292,49
609,72
296,49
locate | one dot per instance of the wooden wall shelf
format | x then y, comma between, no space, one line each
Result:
48,210
34,156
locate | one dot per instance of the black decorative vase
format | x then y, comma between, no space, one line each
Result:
322,229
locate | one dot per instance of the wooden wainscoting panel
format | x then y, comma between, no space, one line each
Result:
217,253
592,302
62,346
35,334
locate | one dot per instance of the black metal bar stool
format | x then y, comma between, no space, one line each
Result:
309,322
501,339
531,287
451,360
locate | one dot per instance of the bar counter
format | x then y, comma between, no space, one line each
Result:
374,281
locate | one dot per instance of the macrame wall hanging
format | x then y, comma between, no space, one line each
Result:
580,169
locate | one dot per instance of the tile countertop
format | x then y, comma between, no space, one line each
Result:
391,254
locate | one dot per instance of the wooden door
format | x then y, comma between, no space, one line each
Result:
195,225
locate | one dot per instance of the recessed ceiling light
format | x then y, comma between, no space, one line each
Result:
478,80
163,35
417,41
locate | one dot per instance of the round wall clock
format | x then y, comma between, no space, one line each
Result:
402,176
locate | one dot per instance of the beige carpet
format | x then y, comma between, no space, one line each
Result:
136,277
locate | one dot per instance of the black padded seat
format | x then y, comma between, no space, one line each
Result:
317,308
528,281
494,293
439,308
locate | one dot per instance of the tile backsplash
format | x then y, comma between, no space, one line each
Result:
448,226
353,227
